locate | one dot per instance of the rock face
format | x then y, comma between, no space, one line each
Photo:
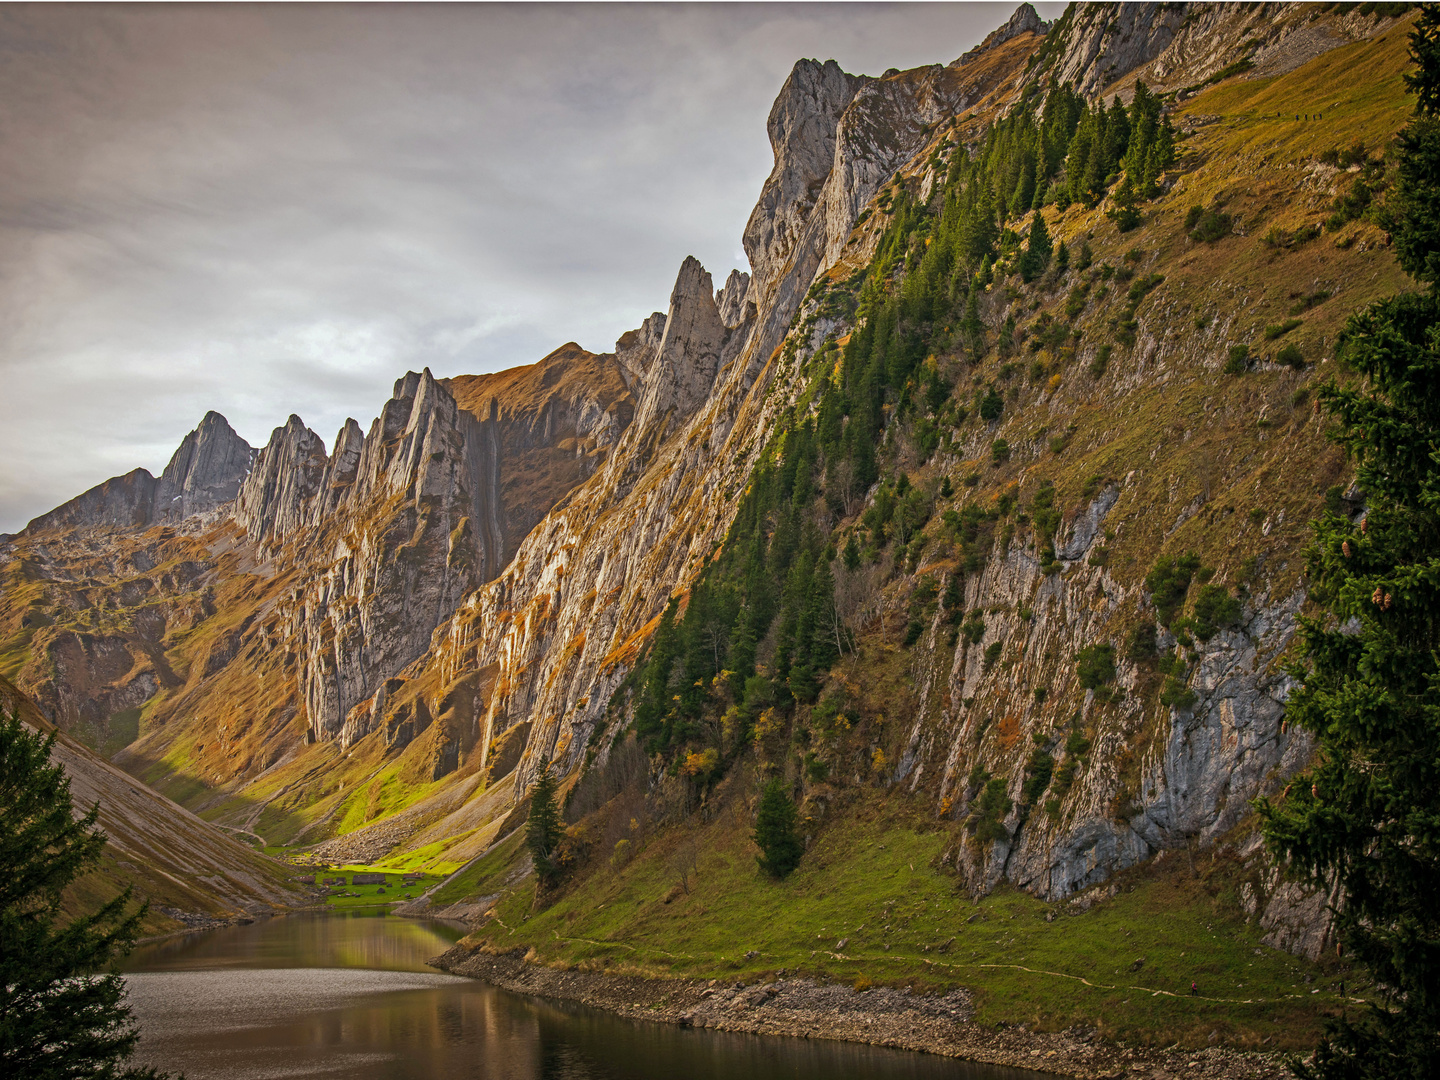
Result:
414,513
1194,782
205,472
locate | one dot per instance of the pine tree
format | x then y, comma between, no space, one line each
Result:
1037,251
59,1016
1366,816
776,833
544,828
1125,213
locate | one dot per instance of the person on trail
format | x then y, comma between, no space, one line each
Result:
1194,990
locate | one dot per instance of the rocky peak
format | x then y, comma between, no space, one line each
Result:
732,298
274,498
802,127
636,349
207,470
1025,20
122,502
688,358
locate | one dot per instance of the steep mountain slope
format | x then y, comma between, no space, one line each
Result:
1008,464
191,872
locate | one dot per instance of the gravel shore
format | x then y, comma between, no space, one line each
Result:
881,1016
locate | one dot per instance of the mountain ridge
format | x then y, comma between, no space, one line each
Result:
385,644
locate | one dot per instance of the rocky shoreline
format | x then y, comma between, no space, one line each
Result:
880,1016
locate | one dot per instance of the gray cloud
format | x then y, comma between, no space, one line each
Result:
275,209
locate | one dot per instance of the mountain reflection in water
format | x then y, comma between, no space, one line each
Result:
349,995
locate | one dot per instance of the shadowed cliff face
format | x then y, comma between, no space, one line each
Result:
457,593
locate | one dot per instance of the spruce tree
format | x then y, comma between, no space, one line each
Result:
1125,213
776,833
1366,816
544,828
62,1011
1037,251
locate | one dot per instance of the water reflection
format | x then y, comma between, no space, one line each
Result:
349,995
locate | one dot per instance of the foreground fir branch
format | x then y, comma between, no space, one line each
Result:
60,1017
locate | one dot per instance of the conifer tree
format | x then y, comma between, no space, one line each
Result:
1125,213
1037,251
1366,816
776,832
62,1014
544,828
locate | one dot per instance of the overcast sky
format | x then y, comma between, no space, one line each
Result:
267,210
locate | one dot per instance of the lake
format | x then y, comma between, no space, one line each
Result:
349,995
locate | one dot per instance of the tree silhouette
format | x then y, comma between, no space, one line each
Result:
62,1013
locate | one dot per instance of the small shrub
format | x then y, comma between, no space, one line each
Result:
1142,645
990,810
992,654
1169,581
1142,287
1076,744
1038,771
1000,451
1177,694
1215,610
1305,303
1101,362
973,629
1193,216
816,770
992,405
1095,665
1238,360
1291,356
1211,226
1277,330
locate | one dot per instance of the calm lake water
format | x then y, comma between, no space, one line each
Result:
349,995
